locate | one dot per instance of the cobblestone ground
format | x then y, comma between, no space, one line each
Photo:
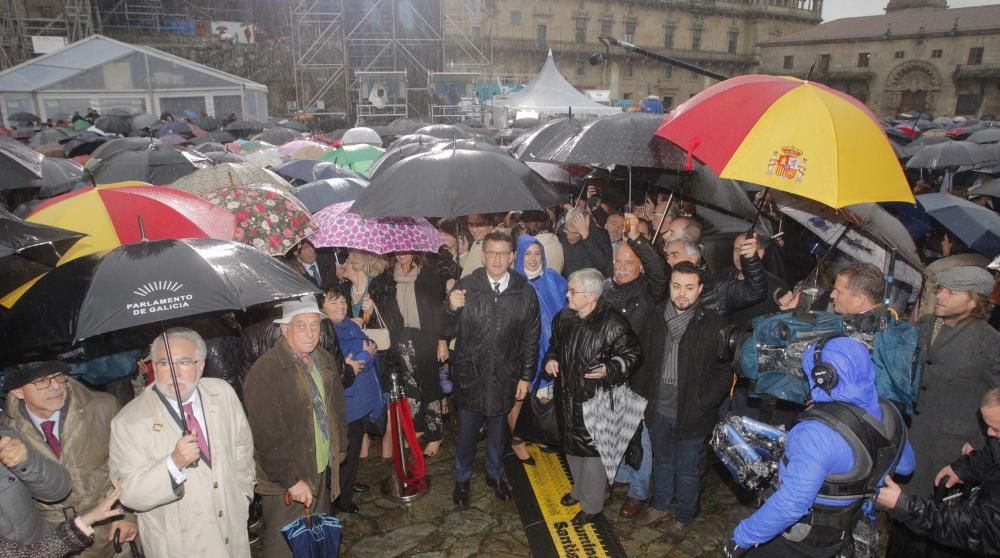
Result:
432,527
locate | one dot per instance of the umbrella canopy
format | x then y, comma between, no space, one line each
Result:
444,131
361,135
244,128
916,145
626,139
85,143
305,171
414,138
534,140
28,250
121,113
24,118
357,158
143,283
173,128
54,149
791,135
266,218
706,188
978,227
507,136
113,125
18,164
217,136
143,121
304,149
49,135
404,126
228,175
219,157
267,157
209,147
338,227
610,416
278,135
58,173
398,153
455,182
117,145
986,135
322,193
285,123
952,153
173,139
158,164
987,188
208,123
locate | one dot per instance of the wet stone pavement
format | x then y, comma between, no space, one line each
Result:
432,527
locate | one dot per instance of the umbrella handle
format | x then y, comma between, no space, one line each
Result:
307,512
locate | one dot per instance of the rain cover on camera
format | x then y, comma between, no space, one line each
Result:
750,449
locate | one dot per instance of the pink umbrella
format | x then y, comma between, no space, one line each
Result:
174,139
291,148
340,228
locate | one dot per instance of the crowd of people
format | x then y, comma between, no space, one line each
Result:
282,404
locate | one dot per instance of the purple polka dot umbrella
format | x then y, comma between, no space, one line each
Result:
340,228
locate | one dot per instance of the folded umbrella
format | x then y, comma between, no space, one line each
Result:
313,535
978,227
266,218
611,416
339,227
18,164
322,193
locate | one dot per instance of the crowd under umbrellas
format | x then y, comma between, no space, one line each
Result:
103,224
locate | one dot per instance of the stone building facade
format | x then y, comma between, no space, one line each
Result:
919,55
721,35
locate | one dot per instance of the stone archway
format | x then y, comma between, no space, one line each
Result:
912,85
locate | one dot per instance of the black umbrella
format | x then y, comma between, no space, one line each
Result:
473,123
144,121
444,131
208,123
117,145
84,143
144,283
159,164
219,157
28,250
454,182
985,135
119,113
539,137
59,176
244,128
217,136
278,136
24,117
113,125
303,171
473,144
526,123
286,123
627,139
415,138
916,145
506,137
54,135
400,152
18,164
955,153
322,193
209,147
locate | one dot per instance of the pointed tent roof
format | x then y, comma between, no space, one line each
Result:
549,92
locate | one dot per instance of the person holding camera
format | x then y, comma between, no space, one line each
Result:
585,244
969,524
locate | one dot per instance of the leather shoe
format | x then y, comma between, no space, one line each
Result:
461,494
360,488
582,518
652,516
348,508
501,488
631,508
568,500
676,532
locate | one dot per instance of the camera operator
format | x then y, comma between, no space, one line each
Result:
835,459
969,524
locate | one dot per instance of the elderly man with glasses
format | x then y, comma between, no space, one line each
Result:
64,421
191,492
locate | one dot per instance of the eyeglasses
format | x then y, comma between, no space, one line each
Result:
185,363
493,255
44,383
574,292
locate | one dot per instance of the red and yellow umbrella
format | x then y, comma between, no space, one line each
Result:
109,216
792,135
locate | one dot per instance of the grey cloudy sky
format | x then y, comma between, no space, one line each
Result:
836,9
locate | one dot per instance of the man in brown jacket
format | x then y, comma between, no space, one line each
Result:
295,403
65,422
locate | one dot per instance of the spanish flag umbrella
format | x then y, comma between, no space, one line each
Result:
791,135
109,216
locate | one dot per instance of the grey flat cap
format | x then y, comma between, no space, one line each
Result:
967,278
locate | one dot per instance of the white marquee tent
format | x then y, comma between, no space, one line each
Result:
103,73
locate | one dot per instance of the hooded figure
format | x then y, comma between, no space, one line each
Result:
814,454
550,287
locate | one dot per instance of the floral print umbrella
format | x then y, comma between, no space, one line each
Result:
266,218
340,228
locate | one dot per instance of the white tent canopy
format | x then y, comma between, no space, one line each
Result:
103,73
548,94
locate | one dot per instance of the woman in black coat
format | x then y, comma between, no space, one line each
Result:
420,300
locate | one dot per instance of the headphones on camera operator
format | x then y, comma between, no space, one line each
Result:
824,374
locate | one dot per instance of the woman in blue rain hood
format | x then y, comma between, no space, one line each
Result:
815,454
550,287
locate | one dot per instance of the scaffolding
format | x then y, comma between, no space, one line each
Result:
20,20
127,18
318,47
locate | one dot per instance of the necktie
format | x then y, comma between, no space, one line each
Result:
314,271
50,437
195,427
496,287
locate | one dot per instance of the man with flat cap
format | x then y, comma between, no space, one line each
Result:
64,421
26,475
961,353
295,402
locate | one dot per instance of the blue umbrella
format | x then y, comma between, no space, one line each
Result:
303,171
313,536
977,226
173,128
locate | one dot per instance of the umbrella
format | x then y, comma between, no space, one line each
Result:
792,135
28,250
278,135
304,149
987,188
143,121
472,144
526,123
358,158
219,157
145,283
158,164
81,125
455,182
361,135
263,157
415,138
538,138
444,131
227,175
285,123
173,128
113,125
706,188
611,416
509,135
627,139
338,227
916,145
54,149
978,227
302,172
117,145
57,173
404,126
209,147
24,118
85,143
173,139
398,153
119,113
217,136
266,218
322,193
208,123
50,135
18,164
313,535
986,135
244,128
953,153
